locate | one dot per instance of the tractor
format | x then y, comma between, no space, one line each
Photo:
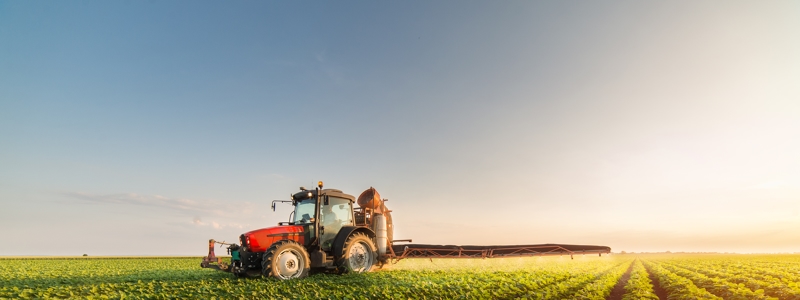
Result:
324,232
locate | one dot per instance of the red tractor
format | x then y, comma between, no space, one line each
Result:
326,232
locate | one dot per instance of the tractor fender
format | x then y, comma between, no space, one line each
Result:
344,233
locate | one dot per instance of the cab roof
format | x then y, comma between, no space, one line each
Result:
302,195
338,193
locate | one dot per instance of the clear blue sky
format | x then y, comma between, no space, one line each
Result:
146,128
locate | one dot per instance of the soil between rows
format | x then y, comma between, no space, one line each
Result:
660,291
619,288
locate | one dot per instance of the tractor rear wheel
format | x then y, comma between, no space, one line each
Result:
360,254
285,260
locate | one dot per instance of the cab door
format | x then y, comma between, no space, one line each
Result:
335,213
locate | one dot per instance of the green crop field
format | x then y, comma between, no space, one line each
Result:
676,276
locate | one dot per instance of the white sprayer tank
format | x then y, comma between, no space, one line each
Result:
381,236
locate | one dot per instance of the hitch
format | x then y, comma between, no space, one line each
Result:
212,261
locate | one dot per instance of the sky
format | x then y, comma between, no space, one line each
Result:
147,128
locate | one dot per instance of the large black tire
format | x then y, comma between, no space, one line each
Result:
285,260
360,254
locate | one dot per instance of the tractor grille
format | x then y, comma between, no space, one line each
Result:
251,260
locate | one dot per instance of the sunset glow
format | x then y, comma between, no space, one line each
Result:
147,128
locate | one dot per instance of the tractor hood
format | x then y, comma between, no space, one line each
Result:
260,239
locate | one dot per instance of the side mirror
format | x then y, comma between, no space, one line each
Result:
281,201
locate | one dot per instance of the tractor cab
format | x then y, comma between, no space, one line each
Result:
322,213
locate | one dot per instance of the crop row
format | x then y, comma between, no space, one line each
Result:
772,273
682,276
770,286
718,286
588,285
182,278
639,286
678,286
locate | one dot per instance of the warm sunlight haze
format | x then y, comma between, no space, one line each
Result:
149,127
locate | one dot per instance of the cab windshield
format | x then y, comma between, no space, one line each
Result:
304,211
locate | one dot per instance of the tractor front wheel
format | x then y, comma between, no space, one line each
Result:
359,256
285,260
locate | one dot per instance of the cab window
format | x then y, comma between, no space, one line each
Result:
337,214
